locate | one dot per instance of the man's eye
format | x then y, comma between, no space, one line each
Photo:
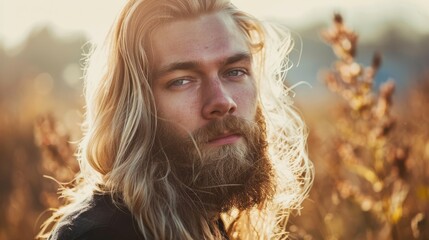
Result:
179,82
235,73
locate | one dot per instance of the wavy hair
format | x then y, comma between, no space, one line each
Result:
121,123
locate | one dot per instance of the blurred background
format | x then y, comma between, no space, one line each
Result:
42,45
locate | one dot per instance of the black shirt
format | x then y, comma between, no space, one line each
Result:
101,219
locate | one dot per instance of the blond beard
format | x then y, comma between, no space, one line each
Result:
219,178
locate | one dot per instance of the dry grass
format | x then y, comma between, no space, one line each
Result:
371,173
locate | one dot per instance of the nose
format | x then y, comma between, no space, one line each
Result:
217,101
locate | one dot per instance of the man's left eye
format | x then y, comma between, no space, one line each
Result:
235,73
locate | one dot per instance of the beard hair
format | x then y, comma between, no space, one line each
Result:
219,178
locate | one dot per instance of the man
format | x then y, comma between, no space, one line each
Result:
189,132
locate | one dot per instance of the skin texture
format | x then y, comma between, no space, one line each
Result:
203,72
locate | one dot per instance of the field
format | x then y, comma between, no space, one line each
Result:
371,156
371,153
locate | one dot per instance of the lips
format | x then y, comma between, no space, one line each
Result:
227,138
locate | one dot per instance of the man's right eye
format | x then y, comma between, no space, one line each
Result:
179,82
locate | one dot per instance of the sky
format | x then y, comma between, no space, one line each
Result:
94,17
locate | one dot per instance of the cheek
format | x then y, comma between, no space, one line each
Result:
246,102
179,112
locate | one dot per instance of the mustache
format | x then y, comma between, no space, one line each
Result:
228,125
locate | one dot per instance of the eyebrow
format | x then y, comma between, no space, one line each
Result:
192,65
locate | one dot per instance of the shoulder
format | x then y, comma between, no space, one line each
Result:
98,218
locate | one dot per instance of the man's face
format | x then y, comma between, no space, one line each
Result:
209,124
203,72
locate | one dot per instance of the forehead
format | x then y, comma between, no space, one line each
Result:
207,38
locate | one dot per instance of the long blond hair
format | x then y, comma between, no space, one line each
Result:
120,126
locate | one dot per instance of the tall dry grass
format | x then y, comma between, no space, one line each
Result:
372,175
